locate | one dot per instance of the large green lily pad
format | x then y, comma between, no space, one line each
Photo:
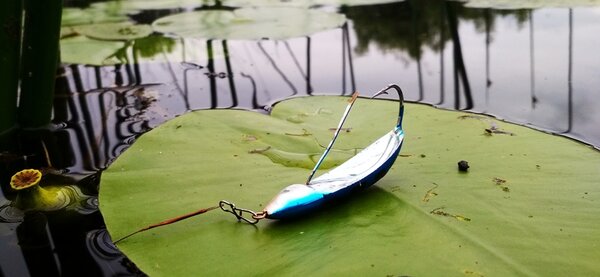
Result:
249,23
529,205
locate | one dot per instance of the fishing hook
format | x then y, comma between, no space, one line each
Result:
400,99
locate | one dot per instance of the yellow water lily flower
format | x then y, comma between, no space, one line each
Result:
25,178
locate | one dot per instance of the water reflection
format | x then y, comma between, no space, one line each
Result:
103,122
490,68
10,214
38,247
570,75
536,67
106,254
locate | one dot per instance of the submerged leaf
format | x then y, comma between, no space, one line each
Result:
249,23
546,225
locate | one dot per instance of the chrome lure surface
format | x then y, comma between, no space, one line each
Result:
357,173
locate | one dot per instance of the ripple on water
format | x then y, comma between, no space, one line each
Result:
10,214
100,244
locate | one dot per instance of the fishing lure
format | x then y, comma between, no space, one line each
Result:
357,173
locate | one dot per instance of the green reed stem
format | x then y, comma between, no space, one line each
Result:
11,12
39,61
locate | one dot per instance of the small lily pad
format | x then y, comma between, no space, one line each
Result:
249,23
305,3
352,2
422,219
114,31
134,6
77,16
82,50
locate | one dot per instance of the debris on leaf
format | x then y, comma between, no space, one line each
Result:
430,193
494,130
473,273
478,117
258,151
305,133
396,188
347,130
463,166
500,182
439,211
249,138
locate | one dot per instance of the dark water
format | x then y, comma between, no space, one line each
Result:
536,67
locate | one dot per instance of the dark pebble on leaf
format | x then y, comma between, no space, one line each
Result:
463,166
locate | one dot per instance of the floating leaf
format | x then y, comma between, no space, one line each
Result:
351,2
529,4
153,45
82,50
305,3
134,6
76,16
114,31
249,23
545,225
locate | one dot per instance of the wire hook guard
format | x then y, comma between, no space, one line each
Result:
245,215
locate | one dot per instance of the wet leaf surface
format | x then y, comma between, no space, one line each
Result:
547,225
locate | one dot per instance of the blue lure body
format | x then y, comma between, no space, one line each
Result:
357,173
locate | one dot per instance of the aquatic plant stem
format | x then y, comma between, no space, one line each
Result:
41,32
167,222
10,44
